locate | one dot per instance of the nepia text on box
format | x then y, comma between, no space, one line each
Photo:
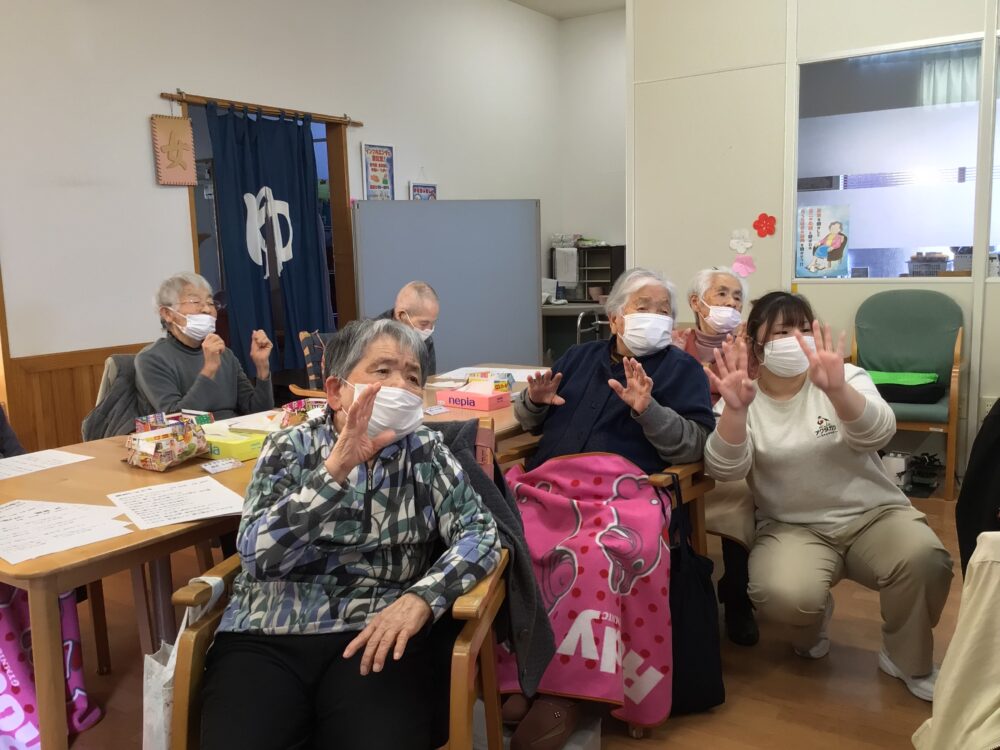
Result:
476,401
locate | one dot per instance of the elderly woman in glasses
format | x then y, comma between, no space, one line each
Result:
190,367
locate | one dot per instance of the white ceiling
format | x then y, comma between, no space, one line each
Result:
571,8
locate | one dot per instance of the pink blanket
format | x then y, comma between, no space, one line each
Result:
595,529
18,707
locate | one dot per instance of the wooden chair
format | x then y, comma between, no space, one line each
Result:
694,485
473,660
916,330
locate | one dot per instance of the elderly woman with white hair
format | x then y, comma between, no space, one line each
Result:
716,297
633,404
191,367
634,395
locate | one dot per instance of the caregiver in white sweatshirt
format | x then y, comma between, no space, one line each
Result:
804,434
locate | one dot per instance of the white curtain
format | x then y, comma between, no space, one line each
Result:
950,78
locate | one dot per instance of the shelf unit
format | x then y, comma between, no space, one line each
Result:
596,266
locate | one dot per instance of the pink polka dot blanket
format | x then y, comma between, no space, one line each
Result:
18,707
595,529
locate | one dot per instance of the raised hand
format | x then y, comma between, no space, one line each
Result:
826,364
733,382
260,353
681,337
638,389
212,347
389,631
542,388
354,446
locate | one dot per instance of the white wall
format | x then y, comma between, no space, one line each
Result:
466,89
590,125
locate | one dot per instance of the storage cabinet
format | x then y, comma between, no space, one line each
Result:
596,266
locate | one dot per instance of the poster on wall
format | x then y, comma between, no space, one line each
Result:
423,191
822,242
380,184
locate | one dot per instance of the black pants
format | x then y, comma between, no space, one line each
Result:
292,692
736,574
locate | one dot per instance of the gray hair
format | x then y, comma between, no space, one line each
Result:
169,293
702,282
631,281
343,352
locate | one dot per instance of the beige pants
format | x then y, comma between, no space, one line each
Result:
889,549
729,512
967,693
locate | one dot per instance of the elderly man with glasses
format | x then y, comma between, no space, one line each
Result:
191,367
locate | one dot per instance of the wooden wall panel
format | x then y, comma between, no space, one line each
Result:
50,394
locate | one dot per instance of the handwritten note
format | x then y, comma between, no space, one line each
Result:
32,528
178,502
16,466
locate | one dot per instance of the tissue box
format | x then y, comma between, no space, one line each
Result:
459,399
231,445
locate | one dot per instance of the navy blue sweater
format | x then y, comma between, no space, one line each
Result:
595,419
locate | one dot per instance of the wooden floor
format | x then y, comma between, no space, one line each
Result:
775,700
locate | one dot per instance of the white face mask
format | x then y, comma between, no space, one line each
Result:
722,319
199,326
423,333
785,358
646,333
395,409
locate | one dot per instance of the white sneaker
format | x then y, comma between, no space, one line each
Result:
822,646
922,687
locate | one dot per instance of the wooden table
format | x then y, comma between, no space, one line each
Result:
45,577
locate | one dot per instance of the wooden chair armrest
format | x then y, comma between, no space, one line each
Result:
198,593
516,453
305,392
683,471
473,604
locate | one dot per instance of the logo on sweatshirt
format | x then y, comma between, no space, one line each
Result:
825,427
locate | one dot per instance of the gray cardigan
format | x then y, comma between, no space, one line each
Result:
522,622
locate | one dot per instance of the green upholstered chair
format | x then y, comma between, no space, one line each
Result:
916,330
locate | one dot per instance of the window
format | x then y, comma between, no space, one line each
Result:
886,167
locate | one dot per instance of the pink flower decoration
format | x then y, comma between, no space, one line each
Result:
765,225
744,265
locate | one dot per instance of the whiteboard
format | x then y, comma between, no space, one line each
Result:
481,257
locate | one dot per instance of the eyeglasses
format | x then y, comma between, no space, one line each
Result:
215,304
